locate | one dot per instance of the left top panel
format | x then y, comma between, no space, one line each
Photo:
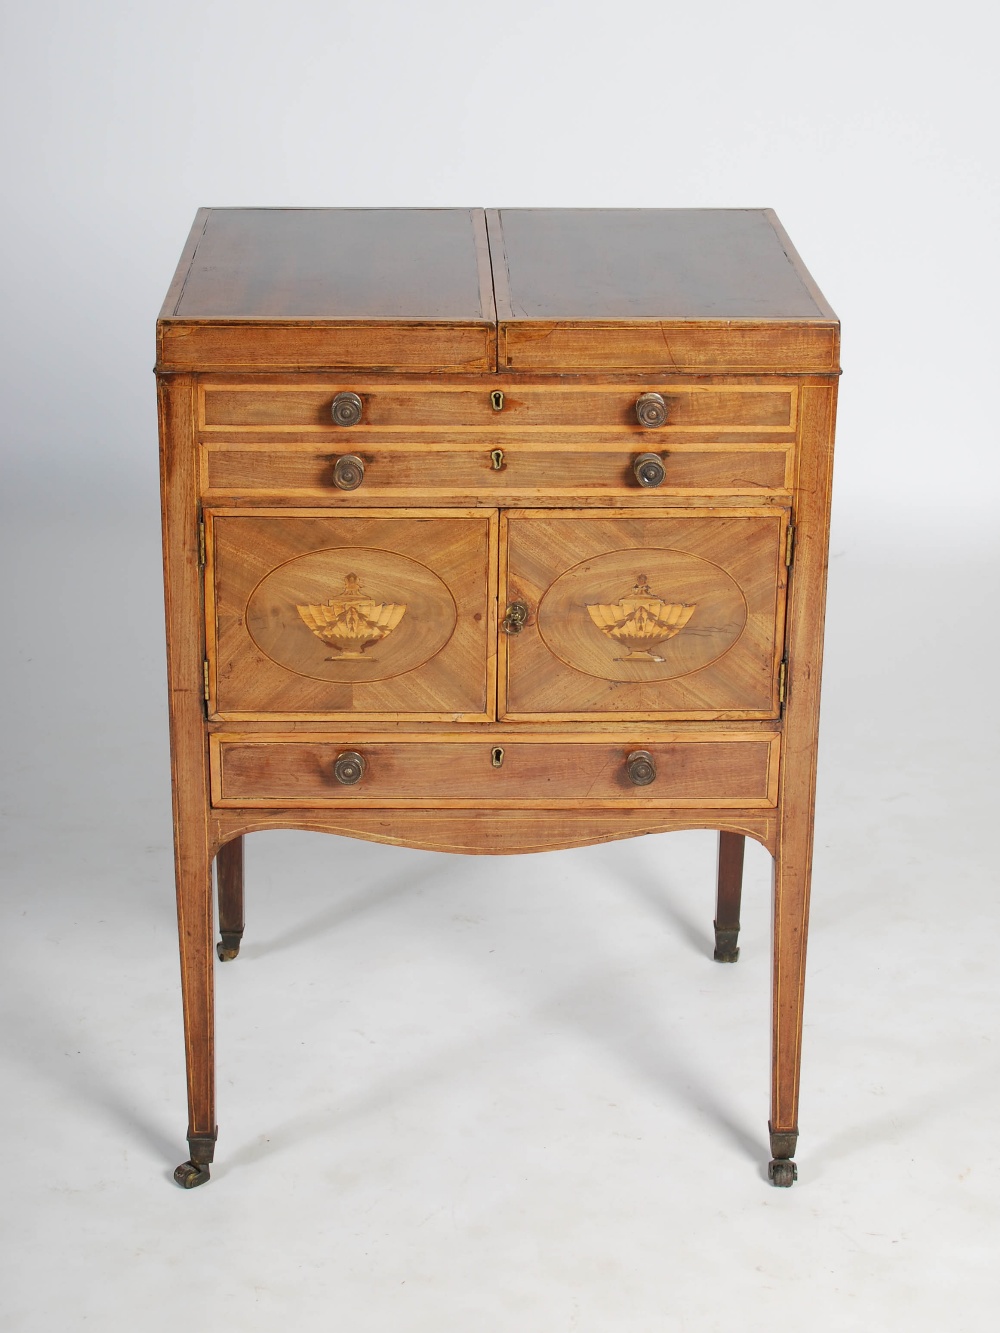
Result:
321,288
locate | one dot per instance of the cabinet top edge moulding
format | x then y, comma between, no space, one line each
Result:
450,291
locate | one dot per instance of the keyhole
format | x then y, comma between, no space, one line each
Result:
497,456
496,398
497,756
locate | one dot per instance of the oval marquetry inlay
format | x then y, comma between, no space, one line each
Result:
642,615
351,614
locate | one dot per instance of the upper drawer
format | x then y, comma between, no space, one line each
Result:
453,467
300,407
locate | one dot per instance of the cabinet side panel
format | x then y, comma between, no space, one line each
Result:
182,583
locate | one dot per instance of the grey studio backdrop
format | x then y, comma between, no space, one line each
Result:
501,1094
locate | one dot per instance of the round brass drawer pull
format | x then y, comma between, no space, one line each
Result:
346,409
349,767
348,472
641,768
649,470
650,410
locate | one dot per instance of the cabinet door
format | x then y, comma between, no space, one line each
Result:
674,614
370,614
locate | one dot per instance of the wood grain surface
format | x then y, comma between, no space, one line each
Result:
448,466
573,570
339,263
580,264
188,748
547,771
266,659
408,406
797,790
481,833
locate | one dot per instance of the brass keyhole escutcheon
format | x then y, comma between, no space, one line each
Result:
496,398
515,618
496,455
496,758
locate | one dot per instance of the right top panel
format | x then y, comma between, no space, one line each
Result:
657,290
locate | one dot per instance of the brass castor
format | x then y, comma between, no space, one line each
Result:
726,948
190,1174
228,947
782,1173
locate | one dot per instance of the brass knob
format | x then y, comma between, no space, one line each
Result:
649,470
650,410
346,409
349,768
515,618
641,768
348,472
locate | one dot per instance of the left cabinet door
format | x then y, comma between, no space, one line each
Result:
370,615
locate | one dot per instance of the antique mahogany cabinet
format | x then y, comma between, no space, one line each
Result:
493,532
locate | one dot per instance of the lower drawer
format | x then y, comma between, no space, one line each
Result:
714,769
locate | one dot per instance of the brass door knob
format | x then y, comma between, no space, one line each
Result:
346,409
349,768
649,470
515,618
641,768
348,472
650,410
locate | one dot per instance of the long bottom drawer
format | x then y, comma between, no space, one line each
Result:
549,772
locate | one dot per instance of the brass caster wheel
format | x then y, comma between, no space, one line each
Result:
226,952
190,1174
726,948
782,1173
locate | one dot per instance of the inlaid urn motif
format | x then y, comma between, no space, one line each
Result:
352,622
640,621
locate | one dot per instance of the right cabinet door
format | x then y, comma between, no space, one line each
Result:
671,614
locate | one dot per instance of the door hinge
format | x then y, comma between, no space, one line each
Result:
201,544
789,545
782,680
205,673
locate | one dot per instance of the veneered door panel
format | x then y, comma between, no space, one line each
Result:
677,614
360,615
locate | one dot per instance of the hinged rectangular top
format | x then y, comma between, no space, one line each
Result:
318,288
636,291
655,290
